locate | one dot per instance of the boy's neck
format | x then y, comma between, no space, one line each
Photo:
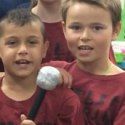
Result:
18,89
48,13
107,68
26,83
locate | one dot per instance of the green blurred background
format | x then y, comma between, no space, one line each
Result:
119,44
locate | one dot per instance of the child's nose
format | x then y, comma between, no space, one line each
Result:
23,49
85,35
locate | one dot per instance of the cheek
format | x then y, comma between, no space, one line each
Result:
7,55
71,43
103,43
72,39
7,59
38,54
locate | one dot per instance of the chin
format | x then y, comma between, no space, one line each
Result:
85,60
24,74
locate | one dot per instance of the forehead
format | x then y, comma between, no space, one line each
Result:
86,8
25,30
84,12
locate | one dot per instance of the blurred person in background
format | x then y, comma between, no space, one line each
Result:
49,13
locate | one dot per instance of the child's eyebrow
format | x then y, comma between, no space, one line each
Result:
75,23
10,37
34,37
98,24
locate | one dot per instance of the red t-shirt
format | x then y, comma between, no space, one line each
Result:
60,106
102,97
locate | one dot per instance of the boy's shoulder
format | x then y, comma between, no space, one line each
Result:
61,64
63,93
62,96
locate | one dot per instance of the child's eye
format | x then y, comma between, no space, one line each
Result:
97,28
11,42
32,41
75,27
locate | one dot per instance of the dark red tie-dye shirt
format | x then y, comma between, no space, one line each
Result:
60,106
102,97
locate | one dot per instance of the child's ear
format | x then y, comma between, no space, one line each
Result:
116,31
46,46
64,28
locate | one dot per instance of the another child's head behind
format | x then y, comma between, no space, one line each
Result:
35,2
22,43
89,27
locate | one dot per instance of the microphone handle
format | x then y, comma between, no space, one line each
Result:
35,107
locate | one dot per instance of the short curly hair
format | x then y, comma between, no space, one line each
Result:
21,17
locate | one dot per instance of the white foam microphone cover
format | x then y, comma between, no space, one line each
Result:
48,77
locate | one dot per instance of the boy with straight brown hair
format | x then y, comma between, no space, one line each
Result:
90,26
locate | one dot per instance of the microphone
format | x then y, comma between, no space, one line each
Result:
48,78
